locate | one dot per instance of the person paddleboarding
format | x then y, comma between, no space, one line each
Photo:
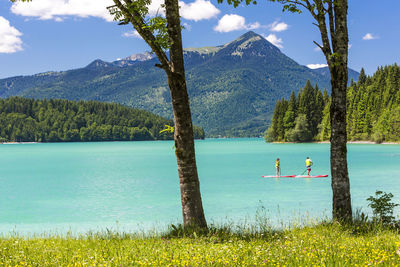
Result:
277,166
309,163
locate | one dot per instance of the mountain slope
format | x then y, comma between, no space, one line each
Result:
353,75
233,87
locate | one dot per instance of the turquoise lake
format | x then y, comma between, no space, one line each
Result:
133,186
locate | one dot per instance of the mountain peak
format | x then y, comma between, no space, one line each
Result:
140,57
98,63
133,59
251,44
249,35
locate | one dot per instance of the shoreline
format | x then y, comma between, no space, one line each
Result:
348,142
315,142
15,143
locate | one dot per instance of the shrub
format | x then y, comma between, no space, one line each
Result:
382,207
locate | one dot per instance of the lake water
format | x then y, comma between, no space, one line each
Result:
133,186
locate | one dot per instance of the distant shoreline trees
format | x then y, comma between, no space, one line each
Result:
297,120
373,111
56,120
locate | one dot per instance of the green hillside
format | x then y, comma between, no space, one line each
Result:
55,120
373,111
233,87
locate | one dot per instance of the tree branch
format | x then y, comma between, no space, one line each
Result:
326,49
332,25
137,21
310,8
296,2
318,45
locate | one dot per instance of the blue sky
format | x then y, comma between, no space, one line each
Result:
56,35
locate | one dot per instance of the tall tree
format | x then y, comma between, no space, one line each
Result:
331,19
362,78
306,101
163,34
318,108
290,114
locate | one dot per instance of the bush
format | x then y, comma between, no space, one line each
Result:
382,207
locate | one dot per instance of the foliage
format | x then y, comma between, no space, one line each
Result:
373,106
28,120
168,128
297,120
382,207
328,244
301,131
373,110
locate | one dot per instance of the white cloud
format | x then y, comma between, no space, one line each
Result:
369,36
274,40
133,33
53,9
230,23
198,10
9,37
317,66
349,46
56,9
156,9
253,26
233,22
278,26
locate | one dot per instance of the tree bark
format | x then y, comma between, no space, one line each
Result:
336,56
192,208
341,204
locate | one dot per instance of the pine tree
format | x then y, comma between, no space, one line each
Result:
290,114
362,78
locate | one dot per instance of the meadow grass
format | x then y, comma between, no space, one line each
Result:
323,244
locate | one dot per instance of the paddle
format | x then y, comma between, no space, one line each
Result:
307,168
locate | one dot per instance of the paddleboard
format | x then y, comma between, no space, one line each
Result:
274,176
311,176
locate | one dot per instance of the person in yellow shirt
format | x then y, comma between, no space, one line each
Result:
277,166
309,163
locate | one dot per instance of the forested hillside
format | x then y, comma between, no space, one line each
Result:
373,111
374,106
232,87
28,120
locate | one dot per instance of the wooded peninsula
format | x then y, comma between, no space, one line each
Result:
56,120
373,111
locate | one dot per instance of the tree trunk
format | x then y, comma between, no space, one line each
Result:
192,208
341,209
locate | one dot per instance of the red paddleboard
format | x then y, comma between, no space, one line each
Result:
274,176
311,176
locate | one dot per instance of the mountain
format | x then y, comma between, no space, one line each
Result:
232,87
353,75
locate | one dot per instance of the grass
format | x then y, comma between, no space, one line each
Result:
324,244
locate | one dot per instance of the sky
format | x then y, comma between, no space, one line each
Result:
57,35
